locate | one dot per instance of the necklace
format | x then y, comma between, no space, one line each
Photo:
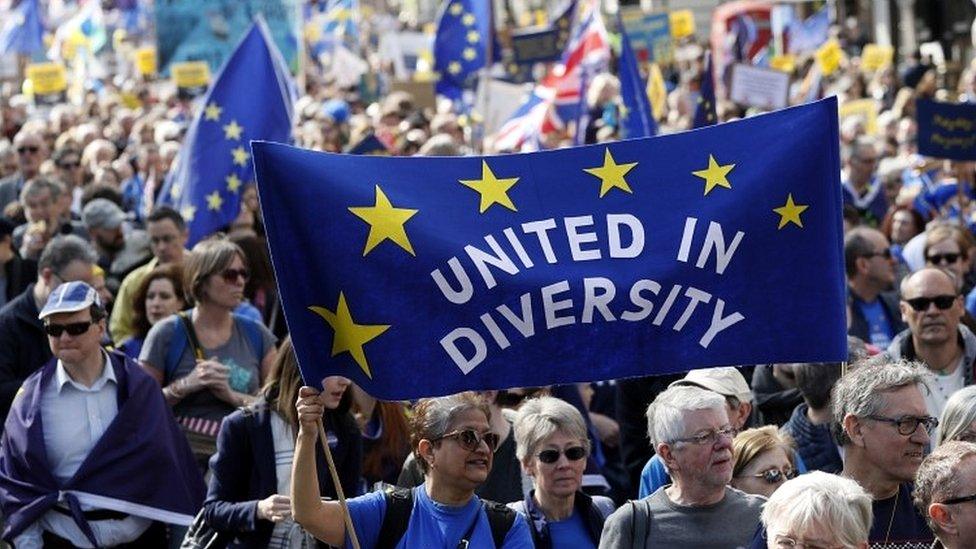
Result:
894,509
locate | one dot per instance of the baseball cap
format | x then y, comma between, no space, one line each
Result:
726,381
102,213
70,297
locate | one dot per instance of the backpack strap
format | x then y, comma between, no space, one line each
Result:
180,341
640,525
500,520
399,505
253,335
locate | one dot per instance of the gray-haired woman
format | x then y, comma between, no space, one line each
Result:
818,510
552,445
958,421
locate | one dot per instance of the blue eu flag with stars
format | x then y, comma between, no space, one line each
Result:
250,99
705,110
22,33
426,276
461,44
637,116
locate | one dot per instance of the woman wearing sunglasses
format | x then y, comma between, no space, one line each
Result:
763,460
208,360
452,441
552,447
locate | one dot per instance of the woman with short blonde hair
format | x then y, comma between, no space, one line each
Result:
818,509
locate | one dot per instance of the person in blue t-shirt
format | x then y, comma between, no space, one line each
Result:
454,445
874,314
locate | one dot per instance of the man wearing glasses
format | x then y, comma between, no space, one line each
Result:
883,427
873,311
861,186
689,428
31,153
945,493
935,336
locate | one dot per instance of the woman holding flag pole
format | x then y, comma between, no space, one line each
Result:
452,440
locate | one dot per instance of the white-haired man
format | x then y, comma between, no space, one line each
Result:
883,427
690,429
945,493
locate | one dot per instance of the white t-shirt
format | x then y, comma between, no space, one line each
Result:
941,388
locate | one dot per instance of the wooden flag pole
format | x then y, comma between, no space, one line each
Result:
338,486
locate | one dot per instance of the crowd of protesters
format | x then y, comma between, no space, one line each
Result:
133,367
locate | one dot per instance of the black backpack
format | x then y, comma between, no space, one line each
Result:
399,505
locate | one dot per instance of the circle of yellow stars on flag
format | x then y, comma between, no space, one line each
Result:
233,131
492,189
349,337
385,223
611,174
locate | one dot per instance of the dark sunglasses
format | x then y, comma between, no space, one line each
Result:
574,453
33,149
885,253
470,440
231,275
921,304
775,476
73,329
938,259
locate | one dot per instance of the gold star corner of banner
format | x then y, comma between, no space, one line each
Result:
233,130
715,175
240,156
790,212
233,183
212,111
385,223
214,201
349,336
611,174
492,189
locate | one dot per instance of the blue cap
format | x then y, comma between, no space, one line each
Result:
337,110
70,297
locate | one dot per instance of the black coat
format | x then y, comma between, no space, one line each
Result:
20,273
23,346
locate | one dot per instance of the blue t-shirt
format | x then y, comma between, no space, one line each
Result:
879,328
570,532
432,525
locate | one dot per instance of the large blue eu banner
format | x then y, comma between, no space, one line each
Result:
427,276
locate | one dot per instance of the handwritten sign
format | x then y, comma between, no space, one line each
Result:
682,24
875,57
829,57
946,130
49,82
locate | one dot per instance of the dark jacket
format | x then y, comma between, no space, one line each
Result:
20,273
814,443
23,346
243,472
633,397
903,347
859,325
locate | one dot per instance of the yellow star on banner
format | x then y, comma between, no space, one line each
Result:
176,190
456,9
454,67
240,156
212,112
790,212
233,182
473,37
467,19
233,130
715,175
349,336
611,174
491,189
469,54
214,201
188,213
385,222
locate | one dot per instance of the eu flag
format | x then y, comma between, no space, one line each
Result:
705,110
461,44
250,99
23,31
426,276
637,118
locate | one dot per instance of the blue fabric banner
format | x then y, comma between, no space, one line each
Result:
427,276
946,130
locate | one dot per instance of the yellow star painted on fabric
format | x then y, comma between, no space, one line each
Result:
233,182
611,174
385,222
176,190
473,37
188,212
469,54
790,212
212,112
467,20
349,336
233,130
456,9
214,201
454,67
240,156
715,175
491,189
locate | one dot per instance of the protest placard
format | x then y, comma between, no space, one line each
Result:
49,82
758,87
191,78
866,109
946,130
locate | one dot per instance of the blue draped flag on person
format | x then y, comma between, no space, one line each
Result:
461,44
637,118
23,30
426,276
251,98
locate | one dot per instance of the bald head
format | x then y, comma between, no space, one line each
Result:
31,152
931,307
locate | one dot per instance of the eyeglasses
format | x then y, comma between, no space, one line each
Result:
73,329
938,259
33,149
774,476
574,453
907,425
470,440
786,542
962,499
885,253
710,437
69,165
231,275
921,304
966,436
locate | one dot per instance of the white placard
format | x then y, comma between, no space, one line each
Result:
756,87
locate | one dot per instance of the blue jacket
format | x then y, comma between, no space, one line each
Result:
814,442
243,471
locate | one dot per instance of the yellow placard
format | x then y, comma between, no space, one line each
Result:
682,23
145,59
829,57
785,63
866,109
657,92
47,78
193,74
876,57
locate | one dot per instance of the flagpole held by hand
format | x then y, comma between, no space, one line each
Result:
338,486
